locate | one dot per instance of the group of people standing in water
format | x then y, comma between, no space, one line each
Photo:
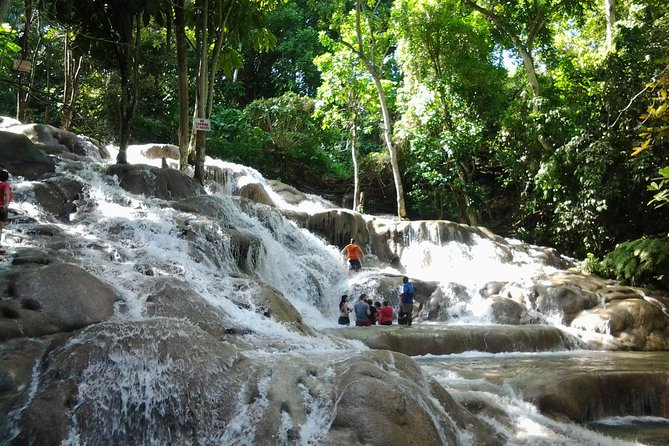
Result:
368,313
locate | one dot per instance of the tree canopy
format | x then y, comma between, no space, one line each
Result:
544,120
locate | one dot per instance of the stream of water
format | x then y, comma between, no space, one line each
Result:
120,232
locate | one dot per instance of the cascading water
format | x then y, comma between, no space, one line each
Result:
119,236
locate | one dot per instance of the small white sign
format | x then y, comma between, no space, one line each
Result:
202,124
23,65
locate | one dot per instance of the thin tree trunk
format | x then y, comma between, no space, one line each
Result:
22,92
182,80
385,112
356,167
525,49
202,79
72,73
128,69
611,18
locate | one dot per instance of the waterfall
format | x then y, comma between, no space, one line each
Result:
263,377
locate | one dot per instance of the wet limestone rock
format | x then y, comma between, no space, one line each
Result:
256,192
585,397
288,193
156,151
339,226
167,184
443,340
508,311
625,317
394,400
21,157
58,297
634,323
167,381
150,381
169,297
57,141
57,195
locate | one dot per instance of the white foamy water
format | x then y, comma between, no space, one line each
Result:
119,236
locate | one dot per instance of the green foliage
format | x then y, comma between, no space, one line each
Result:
446,101
9,51
642,262
295,139
235,139
655,133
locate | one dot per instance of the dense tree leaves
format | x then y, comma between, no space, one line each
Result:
521,116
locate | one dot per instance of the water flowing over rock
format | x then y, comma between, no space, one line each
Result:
162,380
139,307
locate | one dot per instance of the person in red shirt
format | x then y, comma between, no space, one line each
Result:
5,199
353,253
386,314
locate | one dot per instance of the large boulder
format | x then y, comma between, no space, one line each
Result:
168,184
156,151
255,192
288,193
22,158
59,297
624,317
169,297
57,195
56,141
338,226
166,381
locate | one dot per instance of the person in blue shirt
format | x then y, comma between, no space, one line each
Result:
408,293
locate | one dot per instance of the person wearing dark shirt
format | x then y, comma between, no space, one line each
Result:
344,311
408,293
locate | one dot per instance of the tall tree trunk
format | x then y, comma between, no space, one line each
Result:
72,72
611,18
357,206
202,88
385,112
23,91
128,70
182,80
4,7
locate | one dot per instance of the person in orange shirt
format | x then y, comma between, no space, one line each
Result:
5,199
353,253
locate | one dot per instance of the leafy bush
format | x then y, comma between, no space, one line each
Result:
642,262
235,139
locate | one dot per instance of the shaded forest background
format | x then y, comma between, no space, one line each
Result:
543,120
